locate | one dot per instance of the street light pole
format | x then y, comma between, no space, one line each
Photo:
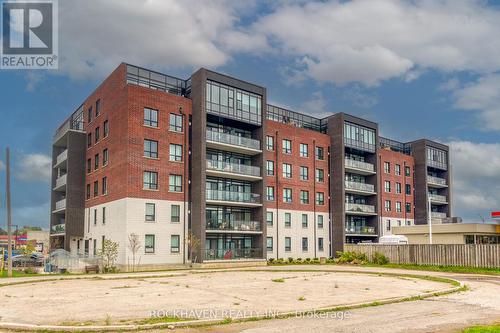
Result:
429,219
9,220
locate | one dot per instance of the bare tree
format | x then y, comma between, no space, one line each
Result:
109,254
194,244
134,244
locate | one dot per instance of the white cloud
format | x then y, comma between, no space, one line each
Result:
359,98
2,166
34,167
32,80
476,174
369,41
316,106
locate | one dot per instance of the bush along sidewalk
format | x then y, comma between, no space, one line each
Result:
347,257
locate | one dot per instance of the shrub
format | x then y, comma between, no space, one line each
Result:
290,260
351,257
380,259
308,260
30,270
270,260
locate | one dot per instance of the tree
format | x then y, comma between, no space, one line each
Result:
194,244
134,244
27,250
109,254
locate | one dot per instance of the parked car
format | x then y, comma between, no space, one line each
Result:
14,253
34,259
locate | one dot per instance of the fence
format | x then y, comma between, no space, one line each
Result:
477,255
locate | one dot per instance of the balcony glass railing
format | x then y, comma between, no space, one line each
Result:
353,207
241,169
437,197
62,157
436,180
61,181
360,230
359,165
438,215
234,225
58,229
61,204
233,140
219,195
232,254
359,186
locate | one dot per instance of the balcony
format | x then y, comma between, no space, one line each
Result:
233,143
234,226
61,159
436,182
230,198
359,209
232,170
438,199
359,188
438,215
360,230
60,206
437,165
58,229
233,254
60,183
359,167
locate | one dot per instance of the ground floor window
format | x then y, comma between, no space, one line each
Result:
149,244
174,243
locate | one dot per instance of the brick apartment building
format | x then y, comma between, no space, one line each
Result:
162,157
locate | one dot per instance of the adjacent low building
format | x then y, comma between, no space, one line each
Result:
156,158
452,233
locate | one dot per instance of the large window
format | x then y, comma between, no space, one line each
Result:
408,189
288,220
174,243
269,244
408,207
97,108
175,213
320,153
175,183
288,244
287,195
398,188
269,218
105,129
270,193
175,153
150,117
320,175
150,212
97,134
387,167
304,221
407,171
304,173
104,185
287,146
150,180
320,244
398,206
304,150
270,168
360,137
304,197
175,123
150,148
387,205
287,170
320,198
397,169
96,161
149,244
269,143
320,221
96,188
387,186
437,158
105,157
305,244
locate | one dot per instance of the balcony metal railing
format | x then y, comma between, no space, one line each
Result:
361,230
58,228
436,164
62,157
242,169
232,254
359,186
233,140
438,215
220,195
436,180
61,181
359,165
437,197
61,204
234,225
359,145
353,207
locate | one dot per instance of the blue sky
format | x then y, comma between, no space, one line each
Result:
420,69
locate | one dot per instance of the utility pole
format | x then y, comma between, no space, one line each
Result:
429,218
9,220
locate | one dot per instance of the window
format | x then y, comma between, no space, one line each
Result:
320,175
175,213
408,189
407,171
304,173
89,165
105,157
150,148
150,212
287,195
398,188
174,243
89,114
288,220
96,188
304,150
387,186
269,143
175,152
398,206
320,221
269,242
95,216
150,180
287,170
387,205
88,191
270,168
387,167
388,225
269,218
97,134
287,146
96,161
175,183
320,153
103,215
320,244
320,198
408,207
175,122
150,117
104,185
304,244
97,108
288,244
304,221
397,169
270,193
95,247
304,197
89,140
149,244
105,129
